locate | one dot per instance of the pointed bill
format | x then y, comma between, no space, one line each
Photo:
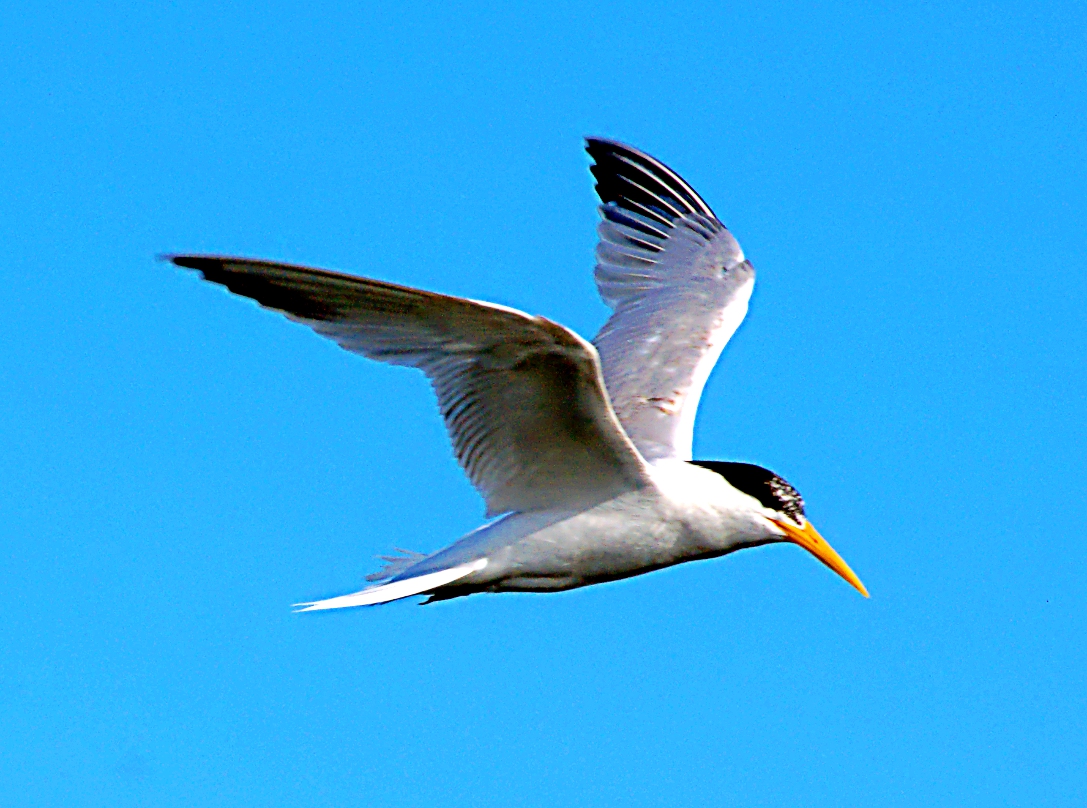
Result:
808,538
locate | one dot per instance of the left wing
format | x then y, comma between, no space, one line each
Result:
522,397
678,285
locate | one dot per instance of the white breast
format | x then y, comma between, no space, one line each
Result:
717,516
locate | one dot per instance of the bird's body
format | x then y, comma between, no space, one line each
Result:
686,513
582,450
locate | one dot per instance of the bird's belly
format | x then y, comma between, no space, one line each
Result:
626,536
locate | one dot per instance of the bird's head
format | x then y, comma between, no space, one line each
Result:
780,513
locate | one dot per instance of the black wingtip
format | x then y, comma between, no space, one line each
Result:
601,148
211,268
630,178
595,143
201,263
294,290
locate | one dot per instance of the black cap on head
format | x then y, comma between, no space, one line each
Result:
762,484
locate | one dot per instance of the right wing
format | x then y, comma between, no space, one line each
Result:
678,285
523,398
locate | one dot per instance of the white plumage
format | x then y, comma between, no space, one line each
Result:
581,447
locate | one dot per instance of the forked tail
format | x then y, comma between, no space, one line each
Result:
394,590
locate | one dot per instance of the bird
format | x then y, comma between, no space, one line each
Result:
582,451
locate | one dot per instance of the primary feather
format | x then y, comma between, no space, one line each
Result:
678,285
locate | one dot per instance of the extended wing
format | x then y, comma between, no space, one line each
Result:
678,286
522,397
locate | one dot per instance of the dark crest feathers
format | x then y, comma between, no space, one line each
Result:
762,484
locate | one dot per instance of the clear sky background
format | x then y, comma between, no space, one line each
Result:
177,466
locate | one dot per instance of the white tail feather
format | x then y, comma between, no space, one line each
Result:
396,589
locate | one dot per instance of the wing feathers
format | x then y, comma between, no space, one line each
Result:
523,398
678,285
628,177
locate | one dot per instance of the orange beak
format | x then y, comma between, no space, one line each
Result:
808,538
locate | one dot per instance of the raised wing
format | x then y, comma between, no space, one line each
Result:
522,397
678,286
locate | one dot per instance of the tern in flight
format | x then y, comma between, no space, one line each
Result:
581,449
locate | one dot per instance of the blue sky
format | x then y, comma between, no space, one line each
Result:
177,467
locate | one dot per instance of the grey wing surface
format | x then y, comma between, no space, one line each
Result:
522,397
678,286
